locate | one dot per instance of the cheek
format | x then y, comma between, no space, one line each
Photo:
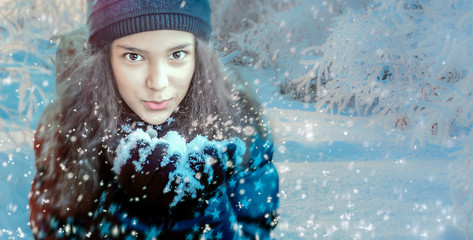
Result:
117,74
184,78
125,83
190,73
120,80
188,78
126,78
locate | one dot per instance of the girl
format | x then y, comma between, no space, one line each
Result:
147,140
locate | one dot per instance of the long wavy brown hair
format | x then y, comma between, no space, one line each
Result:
76,130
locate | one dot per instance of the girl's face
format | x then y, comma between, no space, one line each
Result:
153,71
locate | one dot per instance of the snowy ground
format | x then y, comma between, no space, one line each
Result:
356,182
341,177
344,177
363,200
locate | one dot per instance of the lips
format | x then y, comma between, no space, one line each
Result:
157,105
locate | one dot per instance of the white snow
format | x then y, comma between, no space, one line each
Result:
187,156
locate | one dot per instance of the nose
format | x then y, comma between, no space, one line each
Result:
157,77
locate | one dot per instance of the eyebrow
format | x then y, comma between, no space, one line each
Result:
141,51
181,46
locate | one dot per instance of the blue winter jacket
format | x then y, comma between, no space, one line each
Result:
163,186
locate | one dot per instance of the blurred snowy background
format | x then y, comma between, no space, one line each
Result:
370,103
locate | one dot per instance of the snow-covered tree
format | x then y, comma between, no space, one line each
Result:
405,61
27,30
274,33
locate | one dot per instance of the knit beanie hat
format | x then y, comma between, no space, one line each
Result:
112,19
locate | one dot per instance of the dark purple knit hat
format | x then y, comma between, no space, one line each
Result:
112,19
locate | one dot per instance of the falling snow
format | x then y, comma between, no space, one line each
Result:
342,175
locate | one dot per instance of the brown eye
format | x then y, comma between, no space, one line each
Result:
133,57
177,55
